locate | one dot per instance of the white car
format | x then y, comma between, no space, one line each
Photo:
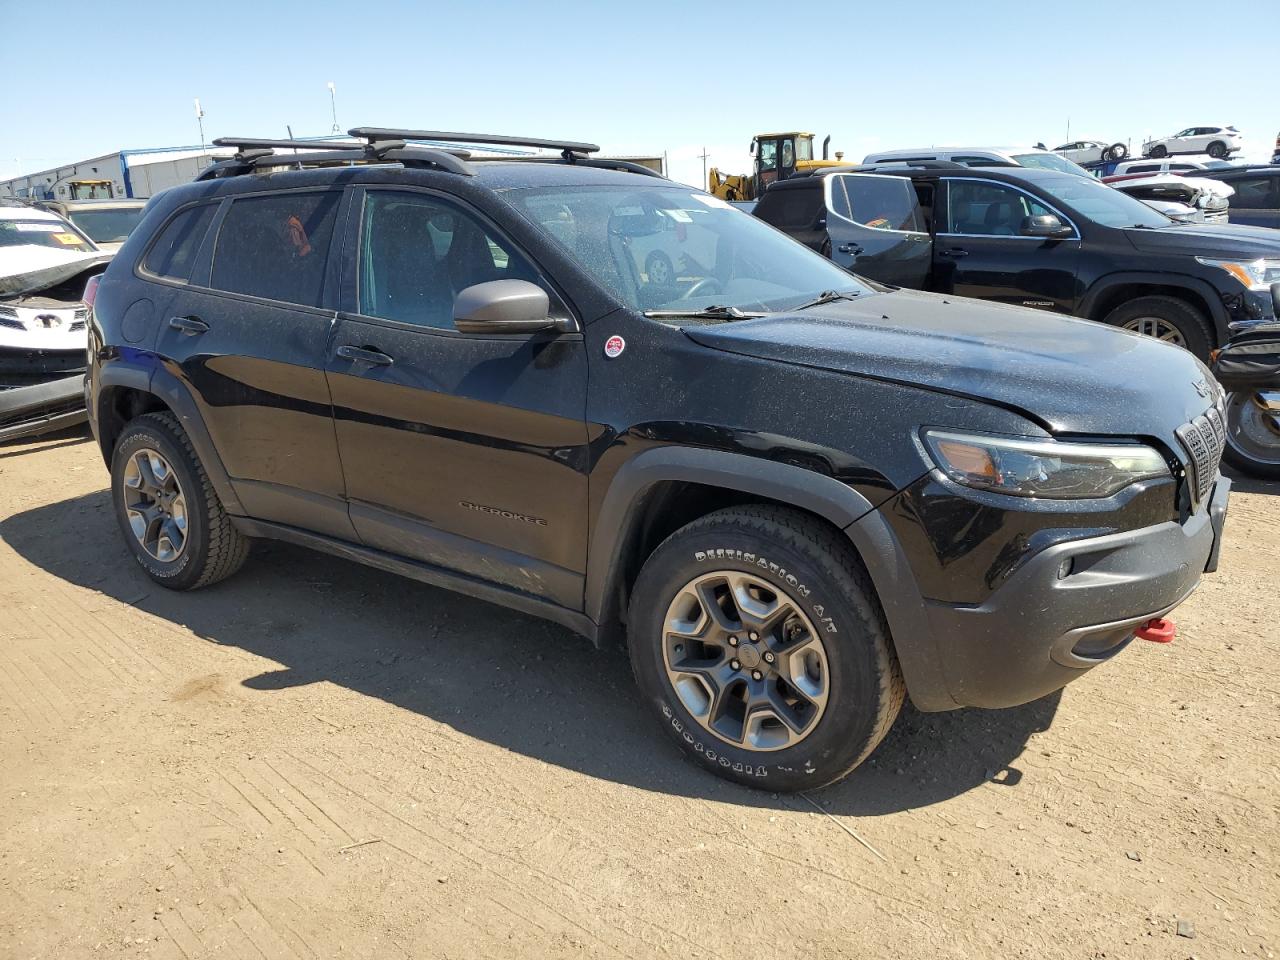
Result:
1207,199
981,156
1180,165
1217,142
45,263
1092,151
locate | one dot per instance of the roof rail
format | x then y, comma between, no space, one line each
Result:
256,155
567,148
254,143
599,163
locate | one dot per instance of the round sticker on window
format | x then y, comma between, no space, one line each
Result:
614,346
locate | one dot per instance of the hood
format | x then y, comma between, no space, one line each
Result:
1224,240
1071,376
31,268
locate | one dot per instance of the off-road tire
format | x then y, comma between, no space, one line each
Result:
1197,335
819,571
214,548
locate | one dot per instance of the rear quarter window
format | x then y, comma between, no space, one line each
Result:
276,247
174,252
792,209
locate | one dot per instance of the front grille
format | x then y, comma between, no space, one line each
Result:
1203,438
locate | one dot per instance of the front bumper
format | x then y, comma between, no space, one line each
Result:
28,411
1041,629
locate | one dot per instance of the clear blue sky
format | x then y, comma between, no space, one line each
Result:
643,77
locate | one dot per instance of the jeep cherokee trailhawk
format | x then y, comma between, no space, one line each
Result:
798,496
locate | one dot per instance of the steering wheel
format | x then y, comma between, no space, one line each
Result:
701,285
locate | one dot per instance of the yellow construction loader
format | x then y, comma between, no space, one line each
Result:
777,156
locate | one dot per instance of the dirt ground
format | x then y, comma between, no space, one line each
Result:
318,760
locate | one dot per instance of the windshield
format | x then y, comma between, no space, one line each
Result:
41,233
1050,161
672,248
1103,204
107,226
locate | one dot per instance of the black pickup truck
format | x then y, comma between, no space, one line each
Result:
1035,238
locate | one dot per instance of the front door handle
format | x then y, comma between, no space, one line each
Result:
850,248
955,253
365,355
189,325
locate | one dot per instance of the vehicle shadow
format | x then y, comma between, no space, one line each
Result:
1243,483
512,680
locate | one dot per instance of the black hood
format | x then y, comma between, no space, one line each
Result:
1071,376
1221,240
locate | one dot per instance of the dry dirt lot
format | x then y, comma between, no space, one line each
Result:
318,760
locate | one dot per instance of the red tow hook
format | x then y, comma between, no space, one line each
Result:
1158,630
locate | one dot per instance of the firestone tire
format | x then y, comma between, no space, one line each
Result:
212,548
791,555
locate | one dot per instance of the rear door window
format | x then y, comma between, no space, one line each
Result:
1253,193
793,209
174,252
882,203
275,247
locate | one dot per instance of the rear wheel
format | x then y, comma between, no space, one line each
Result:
1160,152
169,514
1166,318
1253,436
1117,151
1217,150
758,639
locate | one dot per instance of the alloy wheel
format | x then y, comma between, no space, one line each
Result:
745,661
1253,432
155,505
1157,327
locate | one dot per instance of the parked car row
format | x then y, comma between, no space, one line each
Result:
1034,238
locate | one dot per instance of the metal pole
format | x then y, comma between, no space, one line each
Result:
703,155
333,105
200,121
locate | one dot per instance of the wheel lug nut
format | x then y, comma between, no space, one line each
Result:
757,675
735,664
733,641
754,637
768,657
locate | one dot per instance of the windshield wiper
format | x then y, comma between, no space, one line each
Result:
716,312
829,296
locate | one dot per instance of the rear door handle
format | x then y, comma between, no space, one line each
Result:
955,253
189,325
850,248
365,355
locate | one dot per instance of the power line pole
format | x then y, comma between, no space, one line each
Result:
333,105
703,155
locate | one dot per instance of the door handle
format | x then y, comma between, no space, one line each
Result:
365,355
189,325
955,253
850,248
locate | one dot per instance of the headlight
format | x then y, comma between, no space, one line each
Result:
1056,470
1254,274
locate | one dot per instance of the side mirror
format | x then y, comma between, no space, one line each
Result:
505,306
1045,225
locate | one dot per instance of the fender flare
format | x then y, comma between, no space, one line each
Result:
175,395
621,509
867,530
1217,312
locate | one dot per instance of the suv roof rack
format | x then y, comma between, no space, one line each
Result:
568,148
390,145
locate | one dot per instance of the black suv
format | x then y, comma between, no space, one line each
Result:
1036,238
797,497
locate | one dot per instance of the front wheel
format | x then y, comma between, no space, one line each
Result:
1117,151
757,638
1166,318
1253,436
1159,153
